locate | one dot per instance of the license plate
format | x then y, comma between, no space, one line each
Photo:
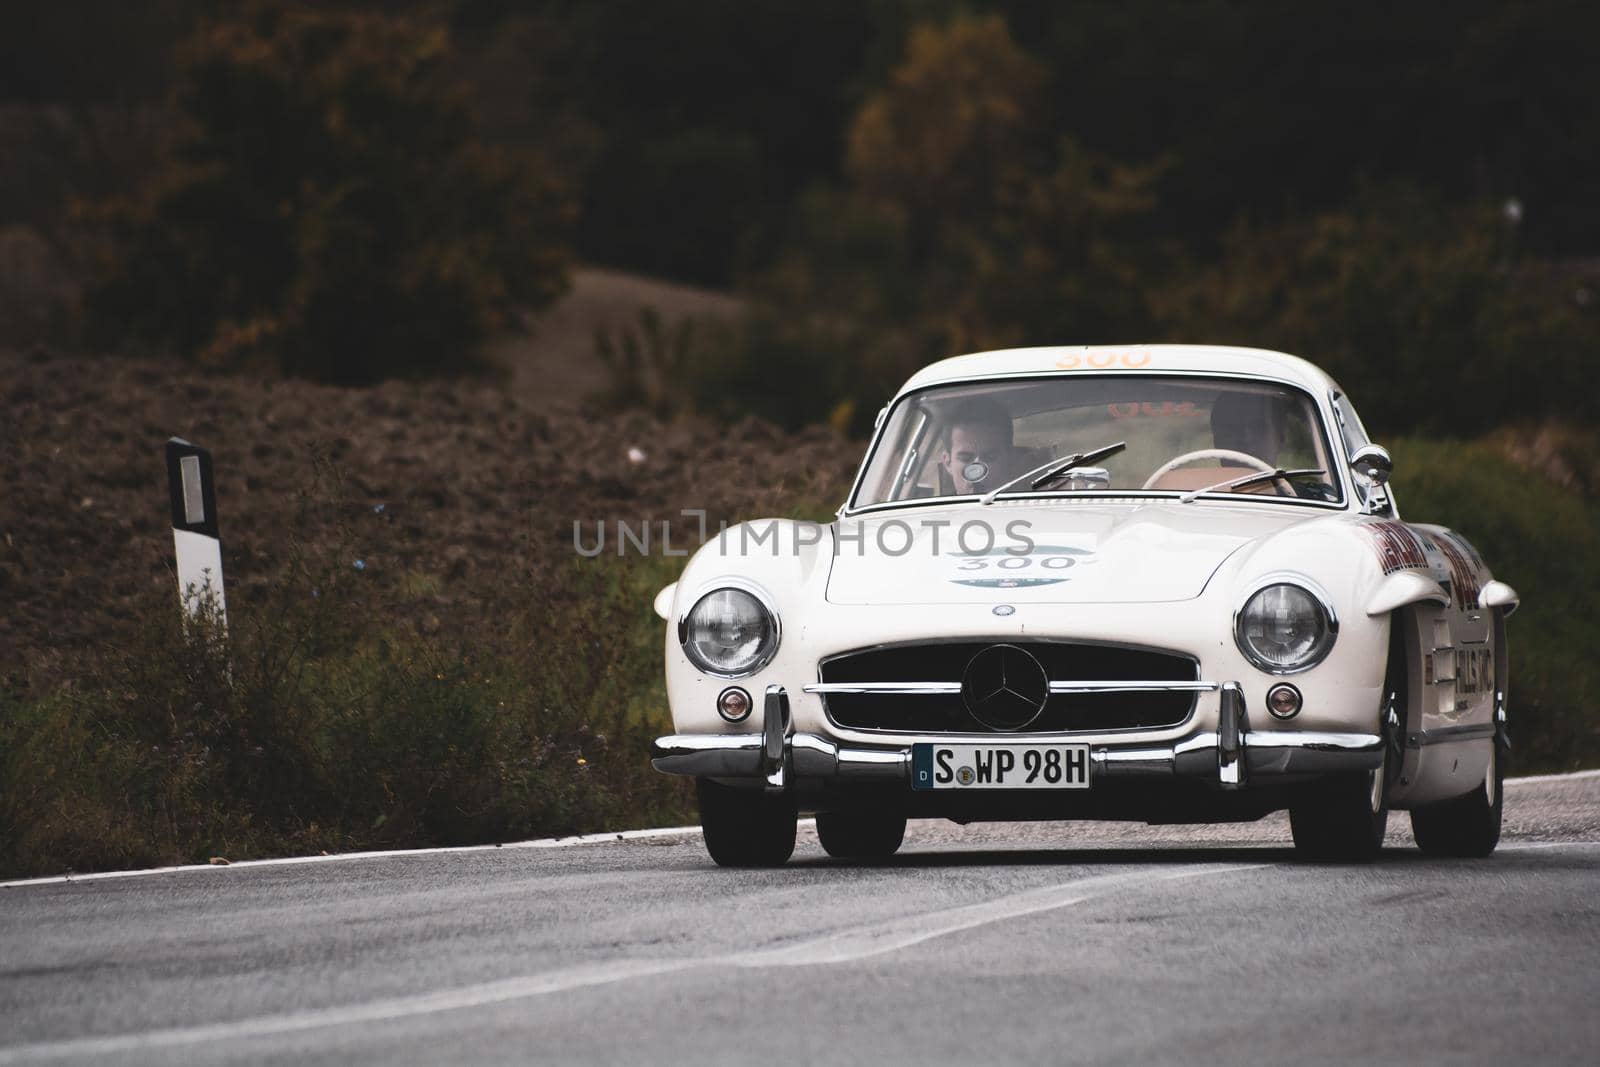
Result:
999,766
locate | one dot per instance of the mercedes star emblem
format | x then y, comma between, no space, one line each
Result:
1004,687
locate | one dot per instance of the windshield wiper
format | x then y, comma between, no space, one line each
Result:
1250,479
1045,473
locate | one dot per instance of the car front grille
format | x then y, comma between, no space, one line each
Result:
938,668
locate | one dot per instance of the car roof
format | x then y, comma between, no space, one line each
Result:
1222,360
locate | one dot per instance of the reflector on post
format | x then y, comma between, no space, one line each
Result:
194,527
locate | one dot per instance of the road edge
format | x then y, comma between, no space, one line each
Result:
546,842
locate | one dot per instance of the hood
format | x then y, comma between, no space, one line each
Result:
1058,553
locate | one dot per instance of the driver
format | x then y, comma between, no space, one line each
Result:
979,452
1252,423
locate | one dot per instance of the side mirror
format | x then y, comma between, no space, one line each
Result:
1373,463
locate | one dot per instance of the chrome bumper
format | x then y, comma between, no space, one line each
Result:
1230,755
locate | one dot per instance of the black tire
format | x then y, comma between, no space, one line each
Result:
860,836
746,827
1342,820
1466,826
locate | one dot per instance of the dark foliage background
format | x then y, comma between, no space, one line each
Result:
358,190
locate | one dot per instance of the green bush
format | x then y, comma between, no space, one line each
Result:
1423,309
1544,540
323,718
328,208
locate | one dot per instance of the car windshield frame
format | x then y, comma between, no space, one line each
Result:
1339,476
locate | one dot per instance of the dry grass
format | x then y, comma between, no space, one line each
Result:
553,366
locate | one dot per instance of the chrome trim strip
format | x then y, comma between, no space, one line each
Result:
1233,729
809,757
1133,687
891,688
708,755
1317,739
685,744
1056,688
1446,734
1007,639
866,758
775,729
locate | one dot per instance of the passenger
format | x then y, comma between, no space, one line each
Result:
1252,423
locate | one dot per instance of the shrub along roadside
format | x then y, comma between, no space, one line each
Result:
322,723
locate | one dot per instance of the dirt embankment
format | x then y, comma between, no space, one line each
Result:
552,365
442,490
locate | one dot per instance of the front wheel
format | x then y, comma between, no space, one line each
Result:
1343,820
746,827
1467,826
860,836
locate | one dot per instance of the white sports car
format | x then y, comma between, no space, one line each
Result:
1163,583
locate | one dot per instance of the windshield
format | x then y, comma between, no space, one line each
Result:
1182,434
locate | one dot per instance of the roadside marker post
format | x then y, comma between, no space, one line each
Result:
195,539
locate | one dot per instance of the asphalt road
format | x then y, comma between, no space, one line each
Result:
1036,943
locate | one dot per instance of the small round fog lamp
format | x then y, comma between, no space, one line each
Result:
733,704
1283,700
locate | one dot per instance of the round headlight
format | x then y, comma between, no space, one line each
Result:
1285,628
730,633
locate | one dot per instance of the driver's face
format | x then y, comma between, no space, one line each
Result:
977,444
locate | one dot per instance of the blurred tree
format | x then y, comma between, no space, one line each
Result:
716,115
1424,310
1012,232
956,122
1284,110
91,51
967,224
328,206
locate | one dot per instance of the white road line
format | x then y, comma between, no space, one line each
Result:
377,1011
903,932
548,842
872,939
290,861
1536,779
